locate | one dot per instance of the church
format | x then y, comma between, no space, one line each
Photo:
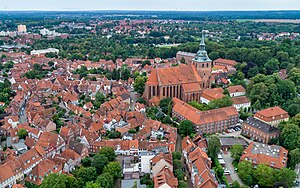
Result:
185,81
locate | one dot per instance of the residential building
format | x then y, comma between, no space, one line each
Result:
209,95
271,155
259,130
41,170
241,102
224,62
198,165
165,179
210,121
236,91
159,162
272,116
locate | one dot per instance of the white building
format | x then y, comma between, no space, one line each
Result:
145,157
236,91
44,51
241,102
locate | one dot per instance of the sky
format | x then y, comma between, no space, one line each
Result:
180,5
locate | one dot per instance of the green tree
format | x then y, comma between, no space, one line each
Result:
125,72
186,128
264,175
105,180
176,155
92,185
22,133
182,184
285,177
146,62
100,97
85,174
59,181
235,184
135,74
99,162
166,105
86,162
135,185
272,65
220,103
177,164
236,151
139,84
294,158
214,147
179,174
246,172
113,168
109,152
290,136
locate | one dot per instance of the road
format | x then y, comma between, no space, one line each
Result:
297,170
23,115
134,97
228,164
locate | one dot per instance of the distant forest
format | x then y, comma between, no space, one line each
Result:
176,15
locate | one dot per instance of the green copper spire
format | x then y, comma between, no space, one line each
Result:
201,55
202,44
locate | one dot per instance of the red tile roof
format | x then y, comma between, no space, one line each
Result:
165,176
235,89
212,94
174,75
225,61
271,114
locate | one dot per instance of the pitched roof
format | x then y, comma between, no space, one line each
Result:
271,114
41,170
212,94
226,61
165,176
240,100
160,156
174,75
202,117
235,89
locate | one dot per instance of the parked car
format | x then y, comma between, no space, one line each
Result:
226,171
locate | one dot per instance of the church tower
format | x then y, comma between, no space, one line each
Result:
202,63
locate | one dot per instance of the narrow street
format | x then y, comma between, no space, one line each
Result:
133,97
23,115
228,164
178,148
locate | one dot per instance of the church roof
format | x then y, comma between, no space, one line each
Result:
182,74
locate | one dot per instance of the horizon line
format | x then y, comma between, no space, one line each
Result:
148,10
